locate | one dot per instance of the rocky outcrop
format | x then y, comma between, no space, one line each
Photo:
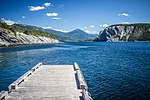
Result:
127,32
8,39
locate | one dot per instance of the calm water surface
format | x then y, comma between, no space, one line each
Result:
113,71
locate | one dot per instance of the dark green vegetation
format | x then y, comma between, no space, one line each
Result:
75,35
30,30
146,25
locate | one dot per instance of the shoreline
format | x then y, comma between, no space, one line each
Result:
15,45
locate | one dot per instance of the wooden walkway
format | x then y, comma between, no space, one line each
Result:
49,82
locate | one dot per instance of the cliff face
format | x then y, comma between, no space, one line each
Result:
127,32
7,39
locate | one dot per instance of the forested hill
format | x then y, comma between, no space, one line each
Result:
16,35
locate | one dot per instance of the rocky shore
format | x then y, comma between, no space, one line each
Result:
8,39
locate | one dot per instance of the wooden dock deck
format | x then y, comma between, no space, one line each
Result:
49,82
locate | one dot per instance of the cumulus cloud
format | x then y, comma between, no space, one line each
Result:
51,14
47,27
125,22
54,15
56,18
104,25
23,17
47,4
8,22
36,8
92,26
123,14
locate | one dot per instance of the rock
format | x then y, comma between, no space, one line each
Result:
23,39
127,32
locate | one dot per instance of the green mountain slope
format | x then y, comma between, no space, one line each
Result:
75,35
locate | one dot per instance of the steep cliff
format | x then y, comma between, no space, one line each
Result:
125,32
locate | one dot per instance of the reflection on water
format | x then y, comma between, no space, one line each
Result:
112,70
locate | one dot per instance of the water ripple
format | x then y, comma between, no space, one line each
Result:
113,71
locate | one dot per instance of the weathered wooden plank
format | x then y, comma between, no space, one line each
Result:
47,84
15,84
50,82
44,98
44,89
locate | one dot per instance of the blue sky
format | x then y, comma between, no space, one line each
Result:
66,15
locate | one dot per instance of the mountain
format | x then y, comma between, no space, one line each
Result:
28,27
73,36
125,32
61,36
18,35
79,35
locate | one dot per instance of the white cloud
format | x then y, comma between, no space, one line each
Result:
47,4
92,26
51,14
56,18
48,27
123,14
104,25
87,31
61,30
36,8
23,17
85,27
8,22
125,22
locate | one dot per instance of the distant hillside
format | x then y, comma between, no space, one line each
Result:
61,36
75,35
32,30
125,32
18,35
80,35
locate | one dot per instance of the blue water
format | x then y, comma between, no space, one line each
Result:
113,71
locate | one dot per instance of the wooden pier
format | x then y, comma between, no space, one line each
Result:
49,82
